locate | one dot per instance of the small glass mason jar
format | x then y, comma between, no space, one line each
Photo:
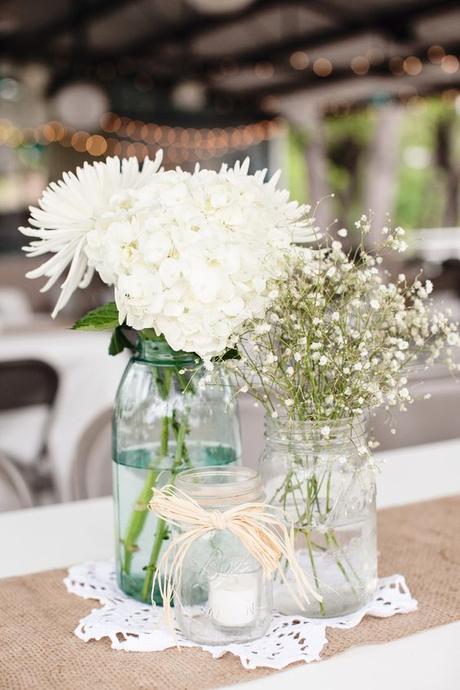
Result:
324,480
164,422
224,595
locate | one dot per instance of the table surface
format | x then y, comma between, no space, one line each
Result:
58,535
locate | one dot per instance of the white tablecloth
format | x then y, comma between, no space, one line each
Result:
88,381
55,536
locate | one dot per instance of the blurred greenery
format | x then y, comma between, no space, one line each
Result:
428,174
347,139
295,165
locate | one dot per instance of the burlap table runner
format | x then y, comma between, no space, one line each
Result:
38,650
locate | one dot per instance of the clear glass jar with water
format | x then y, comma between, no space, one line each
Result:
165,421
323,478
224,595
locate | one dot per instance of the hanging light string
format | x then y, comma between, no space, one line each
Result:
137,138
124,136
360,65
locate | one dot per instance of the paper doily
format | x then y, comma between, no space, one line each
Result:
135,627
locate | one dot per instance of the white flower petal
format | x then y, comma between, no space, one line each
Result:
69,210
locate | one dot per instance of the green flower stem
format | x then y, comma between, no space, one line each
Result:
162,527
322,608
331,536
139,515
140,511
180,443
137,521
160,534
306,507
328,492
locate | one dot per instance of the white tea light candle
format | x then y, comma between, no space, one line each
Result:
233,599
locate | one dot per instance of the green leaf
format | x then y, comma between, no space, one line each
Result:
103,318
150,334
231,353
119,342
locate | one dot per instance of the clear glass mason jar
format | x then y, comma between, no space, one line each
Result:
164,422
224,596
326,484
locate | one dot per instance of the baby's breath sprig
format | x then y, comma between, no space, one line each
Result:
340,337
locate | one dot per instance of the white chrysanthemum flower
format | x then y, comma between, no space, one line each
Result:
69,210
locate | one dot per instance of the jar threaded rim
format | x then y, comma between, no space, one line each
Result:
221,486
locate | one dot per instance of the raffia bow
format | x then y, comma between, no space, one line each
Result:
259,527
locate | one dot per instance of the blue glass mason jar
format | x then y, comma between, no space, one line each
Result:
167,418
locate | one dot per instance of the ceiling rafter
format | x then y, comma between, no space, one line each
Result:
199,25
400,15
389,22
393,22
202,24
303,82
81,12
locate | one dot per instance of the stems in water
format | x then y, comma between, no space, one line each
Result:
313,513
322,609
162,529
137,521
140,511
169,425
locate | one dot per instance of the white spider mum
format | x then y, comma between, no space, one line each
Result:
69,210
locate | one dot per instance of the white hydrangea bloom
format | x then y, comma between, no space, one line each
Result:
194,256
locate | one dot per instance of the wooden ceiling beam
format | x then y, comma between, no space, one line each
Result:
383,22
393,22
33,43
429,89
309,80
200,25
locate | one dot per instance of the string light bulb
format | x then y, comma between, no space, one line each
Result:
322,67
412,65
264,70
449,64
435,54
360,65
299,60
184,141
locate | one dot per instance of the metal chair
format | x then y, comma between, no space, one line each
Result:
23,384
14,492
91,472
